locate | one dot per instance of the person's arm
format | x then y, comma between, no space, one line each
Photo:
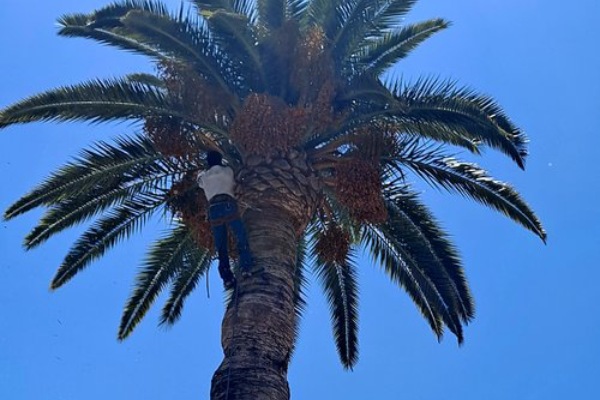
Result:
200,180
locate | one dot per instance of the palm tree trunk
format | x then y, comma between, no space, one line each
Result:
258,329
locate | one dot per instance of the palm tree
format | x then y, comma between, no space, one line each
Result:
294,94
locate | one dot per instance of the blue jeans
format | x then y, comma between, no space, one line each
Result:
224,214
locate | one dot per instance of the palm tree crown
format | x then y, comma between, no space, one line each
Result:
293,93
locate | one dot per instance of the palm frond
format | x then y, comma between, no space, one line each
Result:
113,12
148,28
322,14
341,289
105,165
365,89
183,38
105,27
115,38
431,109
300,281
119,8
234,34
411,224
365,21
166,258
354,16
375,112
245,7
76,210
467,179
441,103
300,284
378,55
390,14
146,79
404,270
197,262
297,9
93,101
271,13
118,225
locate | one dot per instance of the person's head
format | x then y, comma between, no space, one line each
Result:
214,158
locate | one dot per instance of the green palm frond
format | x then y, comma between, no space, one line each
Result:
323,14
378,55
105,166
297,9
234,34
93,101
365,21
104,26
339,216
339,282
403,270
152,31
376,111
300,284
433,109
197,263
245,7
355,18
469,180
74,211
365,89
113,12
443,104
117,225
166,258
271,13
183,38
146,79
411,224
109,37
300,281
389,16
117,9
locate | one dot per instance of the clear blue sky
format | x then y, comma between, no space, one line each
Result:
538,321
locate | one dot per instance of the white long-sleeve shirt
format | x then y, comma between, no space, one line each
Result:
217,180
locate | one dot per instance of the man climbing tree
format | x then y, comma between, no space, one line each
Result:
219,184
325,151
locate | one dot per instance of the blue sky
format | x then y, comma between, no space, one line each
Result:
536,332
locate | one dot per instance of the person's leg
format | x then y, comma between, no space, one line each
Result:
239,230
220,236
216,212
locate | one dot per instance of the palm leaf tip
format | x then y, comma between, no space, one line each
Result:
407,258
104,234
4,120
166,258
468,179
184,284
339,281
94,101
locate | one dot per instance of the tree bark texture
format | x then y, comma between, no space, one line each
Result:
259,326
